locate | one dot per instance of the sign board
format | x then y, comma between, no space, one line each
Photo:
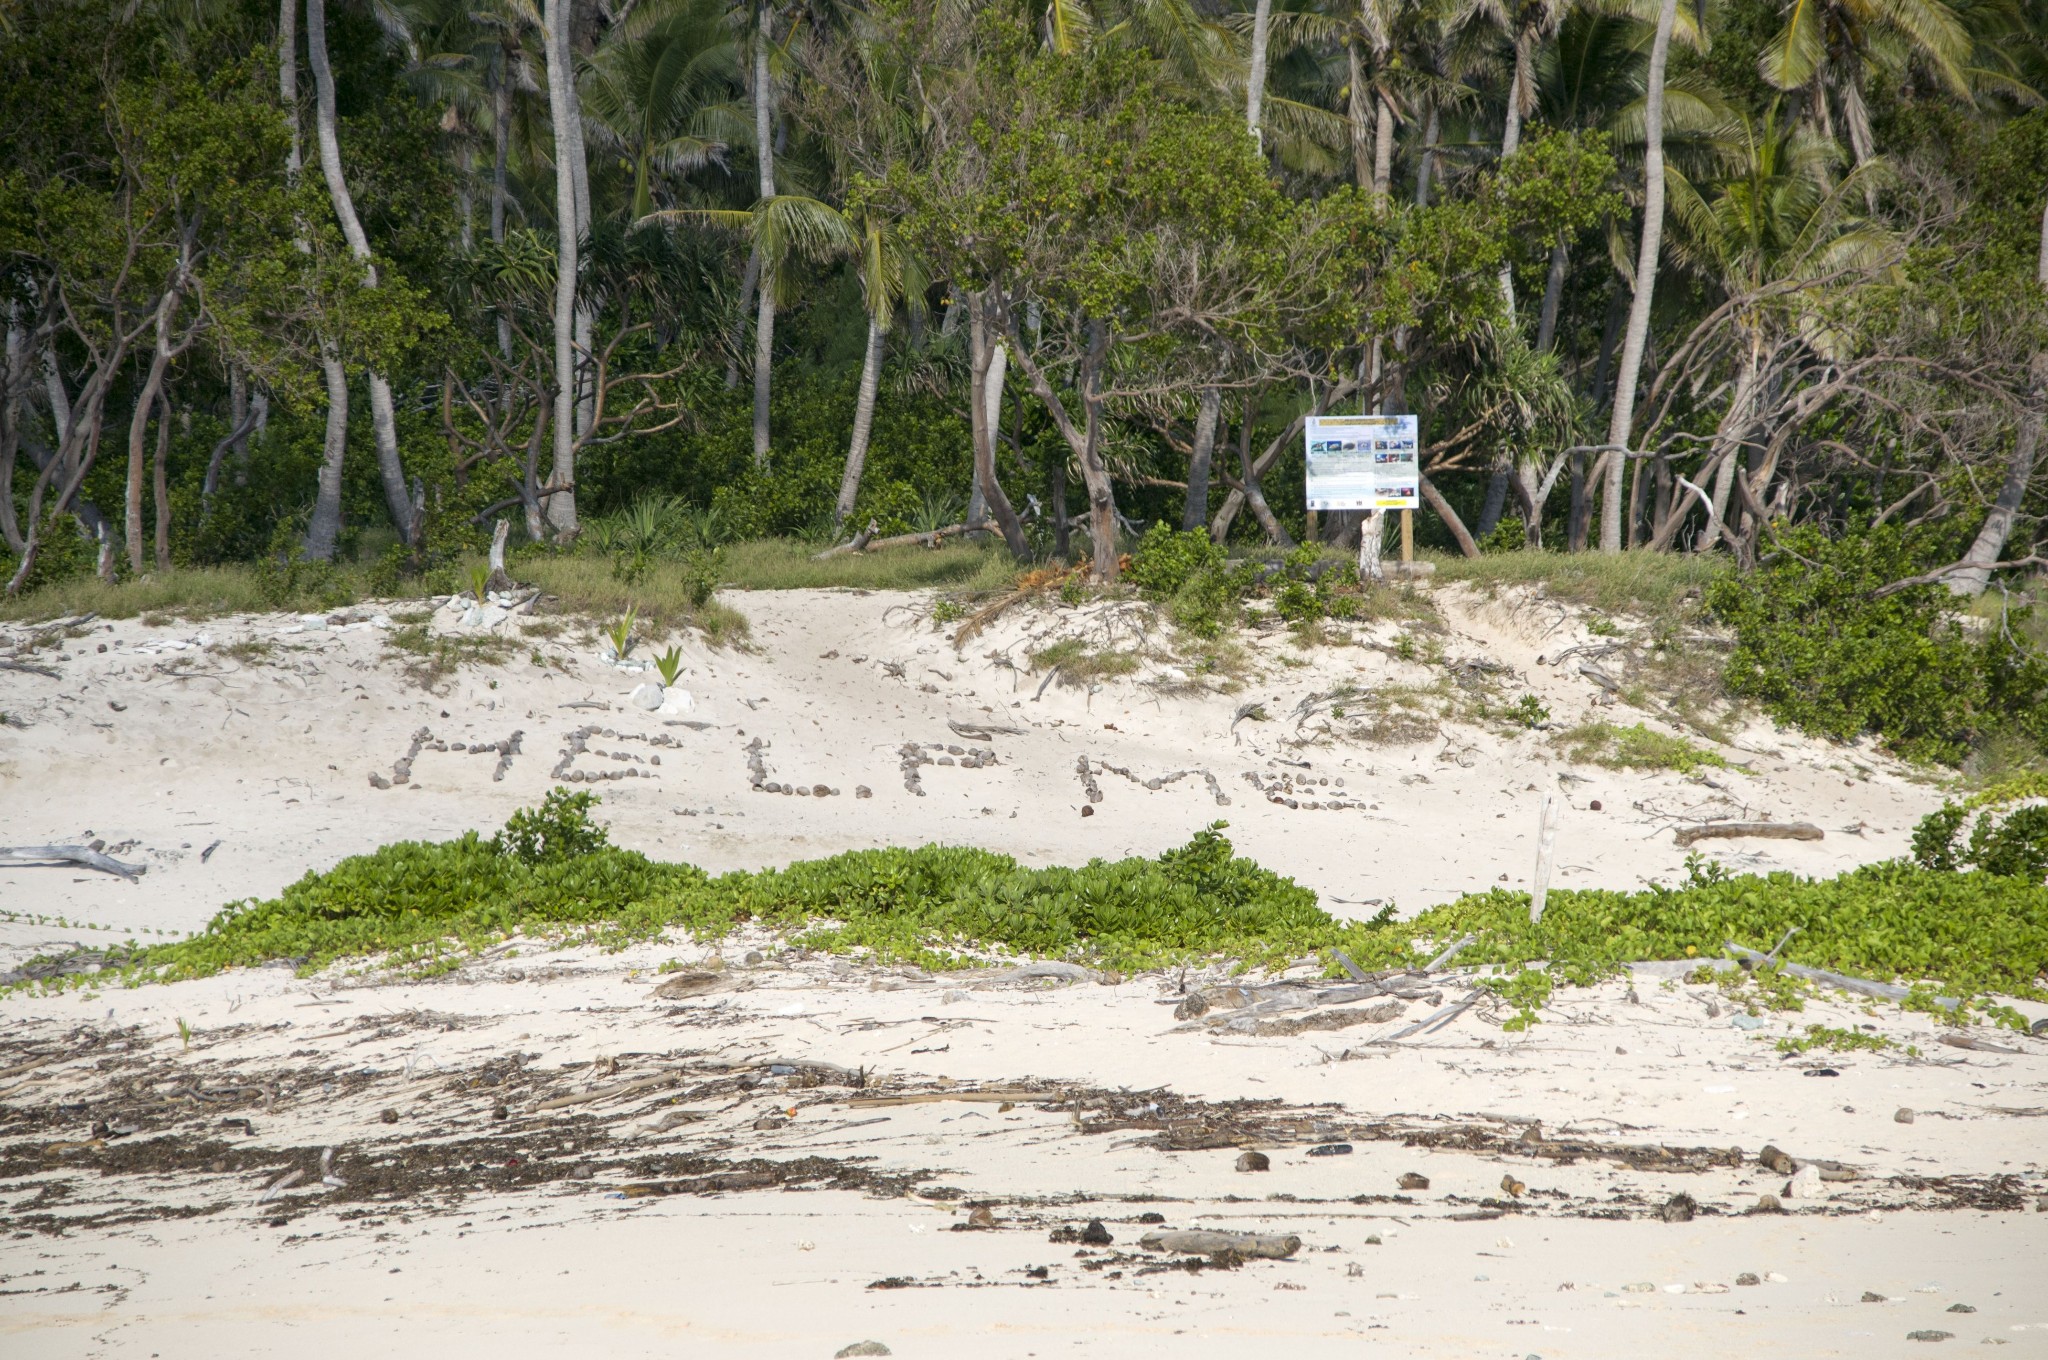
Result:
1363,463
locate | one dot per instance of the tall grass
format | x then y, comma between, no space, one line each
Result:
661,593
188,593
780,564
1658,584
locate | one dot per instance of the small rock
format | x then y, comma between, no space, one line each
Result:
1254,1161
1371,1241
1095,1235
389,1116
647,696
1679,1208
863,791
1414,1180
982,1217
1930,1334
500,1112
769,1122
378,781
1331,1150
1872,1296
1805,1183
1087,809
820,791
1191,1006
1747,1277
1902,1115
1768,1204
1961,1308
1749,1022
862,1348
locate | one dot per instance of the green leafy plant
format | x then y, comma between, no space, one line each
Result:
1835,1040
620,634
1527,991
669,665
1822,646
1528,711
2003,839
559,829
1636,747
479,582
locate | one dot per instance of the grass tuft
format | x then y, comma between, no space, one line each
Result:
1635,747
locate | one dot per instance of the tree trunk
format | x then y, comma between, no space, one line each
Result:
750,279
160,482
561,508
1990,541
1357,109
982,419
863,422
1255,495
1255,79
1728,443
1496,497
138,429
764,159
1610,332
1621,424
1553,294
1085,439
11,406
383,418
501,145
325,526
1426,162
1511,135
1383,148
1449,516
1195,512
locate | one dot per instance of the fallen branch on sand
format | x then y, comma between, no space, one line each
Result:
1343,1017
56,856
7,664
1776,831
1196,1243
623,1088
1018,1097
1886,991
929,539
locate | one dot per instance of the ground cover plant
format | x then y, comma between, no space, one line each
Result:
553,875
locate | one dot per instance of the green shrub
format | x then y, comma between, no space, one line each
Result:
2004,840
1636,747
1821,651
559,829
1167,559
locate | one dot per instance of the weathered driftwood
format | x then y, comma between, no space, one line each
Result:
929,539
974,731
1977,1045
1776,831
1861,986
9,664
684,985
1546,854
1440,1017
498,579
623,1088
1450,952
1340,1017
56,856
933,1097
1029,972
1195,1242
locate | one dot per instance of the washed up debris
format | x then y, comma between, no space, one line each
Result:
1777,831
57,856
1252,1246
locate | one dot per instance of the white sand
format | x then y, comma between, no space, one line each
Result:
271,758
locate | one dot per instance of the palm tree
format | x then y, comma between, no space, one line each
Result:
889,277
1622,419
1828,49
657,95
571,213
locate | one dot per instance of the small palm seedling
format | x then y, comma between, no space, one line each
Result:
621,634
480,582
670,664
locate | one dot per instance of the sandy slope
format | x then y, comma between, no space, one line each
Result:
457,1231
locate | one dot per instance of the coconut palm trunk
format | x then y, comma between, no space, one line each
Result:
1621,420
1208,410
863,422
1990,541
383,416
1255,78
561,506
764,316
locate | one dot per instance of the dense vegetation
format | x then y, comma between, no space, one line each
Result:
552,873
333,288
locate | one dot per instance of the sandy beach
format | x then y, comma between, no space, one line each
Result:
542,1153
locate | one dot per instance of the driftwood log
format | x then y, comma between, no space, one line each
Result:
932,538
1197,1243
56,856
1775,831
499,580
1886,991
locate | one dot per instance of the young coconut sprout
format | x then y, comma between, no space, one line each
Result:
621,635
670,664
